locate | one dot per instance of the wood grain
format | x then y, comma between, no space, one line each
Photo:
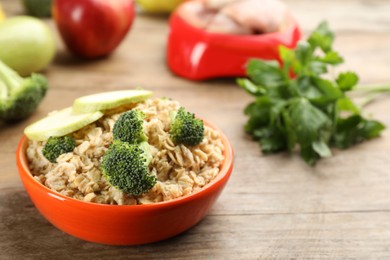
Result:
274,207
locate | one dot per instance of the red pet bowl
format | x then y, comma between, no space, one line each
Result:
196,54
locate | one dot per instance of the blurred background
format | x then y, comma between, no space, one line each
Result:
275,207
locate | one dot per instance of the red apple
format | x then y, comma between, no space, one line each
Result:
93,28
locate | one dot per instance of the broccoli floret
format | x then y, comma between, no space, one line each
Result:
56,146
125,166
185,128
19,97
129,127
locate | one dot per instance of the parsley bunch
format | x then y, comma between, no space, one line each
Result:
298,106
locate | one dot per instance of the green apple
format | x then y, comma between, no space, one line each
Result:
27,44
159,6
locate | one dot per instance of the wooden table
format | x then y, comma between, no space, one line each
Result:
274,207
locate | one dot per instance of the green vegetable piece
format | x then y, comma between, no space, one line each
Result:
129,127
109,100
322,148
19,97
322,37
346,105
251,88
287,55
27,44
185,128
259,113
304,53
56,146
60,123
265,73
308,125
347,80
307,120
39,8
126,167
145,147
309,110
355,129
271,139
332,58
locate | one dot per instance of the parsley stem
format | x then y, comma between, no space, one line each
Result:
371,92
369,99
373,88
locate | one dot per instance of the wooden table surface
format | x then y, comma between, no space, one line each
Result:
274,207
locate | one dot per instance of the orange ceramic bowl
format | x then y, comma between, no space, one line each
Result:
124,224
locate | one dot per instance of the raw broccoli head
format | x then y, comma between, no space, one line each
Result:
19,97
129,127
56,146
185,128
126,167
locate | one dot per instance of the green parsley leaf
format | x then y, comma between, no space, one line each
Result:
346,105
270,139
322,148
310,110
307,120
322,37
304,53
355,129
347,80
332,58
266,73
251,88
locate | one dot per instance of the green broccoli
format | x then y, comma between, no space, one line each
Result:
129,127
19,97
185,128
126,167
56,146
